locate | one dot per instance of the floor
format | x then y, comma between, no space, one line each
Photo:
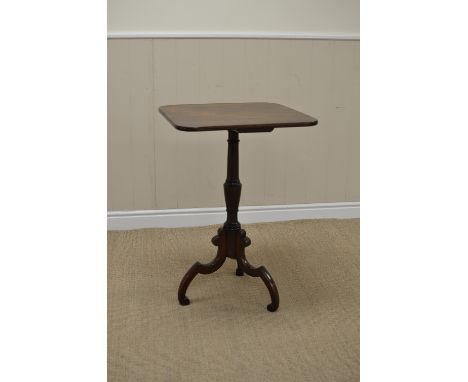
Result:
226,333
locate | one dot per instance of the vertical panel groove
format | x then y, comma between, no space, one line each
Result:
153,99
153,166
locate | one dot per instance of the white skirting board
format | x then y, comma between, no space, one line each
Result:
196,217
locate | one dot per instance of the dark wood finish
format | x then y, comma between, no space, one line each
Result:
231,240
243,117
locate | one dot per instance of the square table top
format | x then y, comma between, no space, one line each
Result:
241,117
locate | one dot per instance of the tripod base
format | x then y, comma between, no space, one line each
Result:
231,243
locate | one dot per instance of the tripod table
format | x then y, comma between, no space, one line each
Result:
252,117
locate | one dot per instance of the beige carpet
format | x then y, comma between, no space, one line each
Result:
227,334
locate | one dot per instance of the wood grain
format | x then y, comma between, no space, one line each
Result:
244,117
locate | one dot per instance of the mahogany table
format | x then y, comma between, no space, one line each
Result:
256,117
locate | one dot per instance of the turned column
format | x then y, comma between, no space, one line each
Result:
232,193
232,185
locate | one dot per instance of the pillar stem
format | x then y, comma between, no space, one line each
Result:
232,185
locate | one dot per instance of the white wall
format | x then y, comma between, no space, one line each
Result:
318,77
310,18
152,166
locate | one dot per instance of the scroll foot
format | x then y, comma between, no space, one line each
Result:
195,270
184,301
272,308
267,279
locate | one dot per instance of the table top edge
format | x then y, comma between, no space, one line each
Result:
266,127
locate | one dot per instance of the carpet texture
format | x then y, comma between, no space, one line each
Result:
226,333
